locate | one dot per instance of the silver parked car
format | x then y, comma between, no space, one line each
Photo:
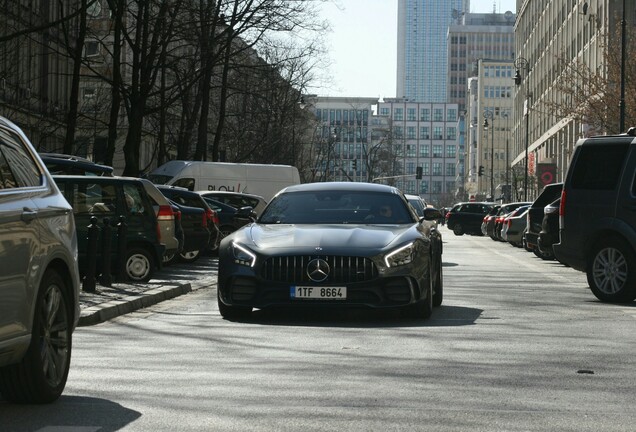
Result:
39,278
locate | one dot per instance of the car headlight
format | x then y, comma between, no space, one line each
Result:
243,255
400,256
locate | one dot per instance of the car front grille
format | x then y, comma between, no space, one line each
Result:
342,269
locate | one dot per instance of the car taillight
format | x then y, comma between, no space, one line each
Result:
215,217
562,204
165,213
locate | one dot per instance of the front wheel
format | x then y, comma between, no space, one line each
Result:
189,257
41,375
139,264
458,230
611,272
423,309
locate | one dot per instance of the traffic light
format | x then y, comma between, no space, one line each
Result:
481,170
418,173
355,165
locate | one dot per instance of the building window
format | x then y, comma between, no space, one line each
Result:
398,114
88,92
410,112
410,167
437,168
437,132
410,151
425,114
451,115
438,114
451,132
410,132
91,48
424,132
424,150
438,150
450,169
451,150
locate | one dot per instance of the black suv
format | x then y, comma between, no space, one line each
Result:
598,215
535,218
112,197
466,217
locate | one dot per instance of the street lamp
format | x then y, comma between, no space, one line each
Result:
490,115
621,104
522,64
507,193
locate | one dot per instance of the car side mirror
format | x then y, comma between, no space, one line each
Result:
431,213
245,213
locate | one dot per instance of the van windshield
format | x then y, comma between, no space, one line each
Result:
159,179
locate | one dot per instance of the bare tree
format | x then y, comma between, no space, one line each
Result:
591,96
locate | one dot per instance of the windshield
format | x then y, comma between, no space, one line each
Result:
337,207
159,179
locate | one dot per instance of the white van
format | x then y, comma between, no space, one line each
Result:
258,179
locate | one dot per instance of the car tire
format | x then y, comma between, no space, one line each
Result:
438,287
547,256
233,313
422,309
458,230
139,264
169,258
524,244
611,271
41,375
189,257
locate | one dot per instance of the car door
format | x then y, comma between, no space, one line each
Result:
626,208
20,182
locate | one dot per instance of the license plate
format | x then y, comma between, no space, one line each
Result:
322,293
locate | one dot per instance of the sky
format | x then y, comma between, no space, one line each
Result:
369,69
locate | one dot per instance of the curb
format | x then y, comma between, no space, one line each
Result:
114,308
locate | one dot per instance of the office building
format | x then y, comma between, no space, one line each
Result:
422,47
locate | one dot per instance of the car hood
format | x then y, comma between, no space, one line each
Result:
326,237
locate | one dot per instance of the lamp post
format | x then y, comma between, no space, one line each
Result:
507,193
490,115
522,64
621,104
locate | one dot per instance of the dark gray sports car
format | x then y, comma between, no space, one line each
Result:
333,244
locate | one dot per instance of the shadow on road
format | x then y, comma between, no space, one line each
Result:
443,316
68,413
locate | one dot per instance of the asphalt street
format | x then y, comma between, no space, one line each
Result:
519,344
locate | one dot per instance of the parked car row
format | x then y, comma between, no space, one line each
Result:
164,223
588,222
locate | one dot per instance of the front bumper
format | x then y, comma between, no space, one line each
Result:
382,292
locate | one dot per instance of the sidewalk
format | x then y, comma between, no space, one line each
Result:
122,298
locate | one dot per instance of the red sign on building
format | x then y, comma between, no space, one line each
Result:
531,163
546,174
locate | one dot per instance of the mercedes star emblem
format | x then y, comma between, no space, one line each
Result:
318,270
